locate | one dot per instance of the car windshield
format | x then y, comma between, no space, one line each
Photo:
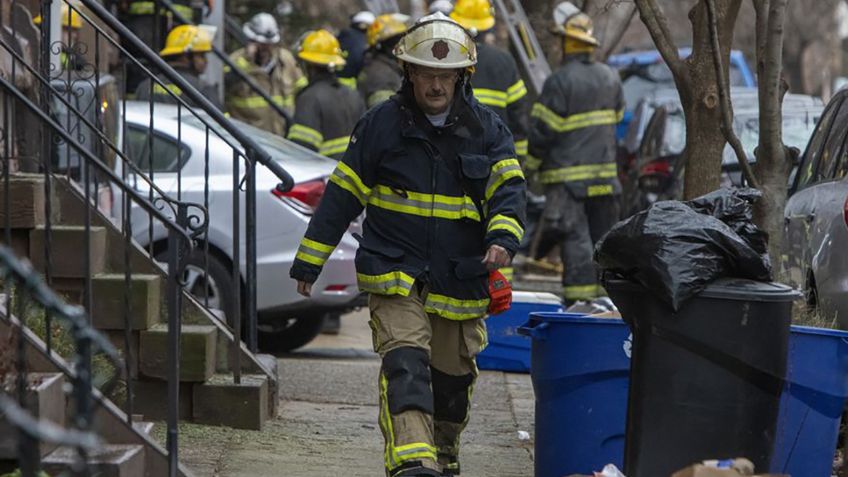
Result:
641,81
281,150
797,129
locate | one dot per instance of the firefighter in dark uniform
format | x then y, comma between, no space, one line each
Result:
381,76
354,42
325,110
151,27
185,50
572,130
444,199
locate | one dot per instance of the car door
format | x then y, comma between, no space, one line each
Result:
808,202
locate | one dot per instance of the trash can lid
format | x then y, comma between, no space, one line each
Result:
749,290
535,298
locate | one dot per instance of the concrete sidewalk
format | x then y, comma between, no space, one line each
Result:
327,425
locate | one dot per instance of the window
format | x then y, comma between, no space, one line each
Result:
167,155
810,163
833,144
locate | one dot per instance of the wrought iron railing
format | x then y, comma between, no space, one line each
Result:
84,135
23,287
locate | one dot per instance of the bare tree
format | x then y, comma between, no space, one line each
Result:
774,161
697,85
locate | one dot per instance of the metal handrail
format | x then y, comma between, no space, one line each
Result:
253,85
140,199
253,150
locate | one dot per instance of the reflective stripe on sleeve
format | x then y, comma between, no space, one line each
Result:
255,102
503,222
516,92
299,132
580,292
491,97
424,205
502,171
335,146
392,283
379,96
313,252
167,90
521,147
345,177
349,82
455,308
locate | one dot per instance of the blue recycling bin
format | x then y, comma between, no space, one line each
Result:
812,402
580,372
507,350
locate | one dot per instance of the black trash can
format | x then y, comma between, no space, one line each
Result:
705,382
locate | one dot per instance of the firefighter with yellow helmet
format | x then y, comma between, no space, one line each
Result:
572,131
71,21
436,173
185,50
272,67
325,110
381,76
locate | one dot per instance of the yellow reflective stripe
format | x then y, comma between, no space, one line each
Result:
141,8
455,308
579,173
184,10
301,83
502,171
254,102
580,292
392,283
306,134
349,82
167,89
424,205
334,146
521,147
396,456
575,121
344,177
531,163
502,222
379,96
491,97
598,190
516,92
313,252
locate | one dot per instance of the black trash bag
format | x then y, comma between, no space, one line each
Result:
675,249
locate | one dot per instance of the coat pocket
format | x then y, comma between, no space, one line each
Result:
468,268
474,166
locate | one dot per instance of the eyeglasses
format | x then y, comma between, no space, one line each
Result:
447,77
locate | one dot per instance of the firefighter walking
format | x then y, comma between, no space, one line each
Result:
325,110
444,195
572,131
272,67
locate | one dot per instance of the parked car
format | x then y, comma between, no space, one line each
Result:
654,172
816,217
286,319
643,72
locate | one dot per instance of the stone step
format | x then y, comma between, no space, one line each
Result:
221,402
66,250
107,307
197,353
26,201
115,460
46,401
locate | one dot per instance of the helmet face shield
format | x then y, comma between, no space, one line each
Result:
437,42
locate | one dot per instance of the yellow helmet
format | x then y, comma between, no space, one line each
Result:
188,39
474,14
69,19
575,25
321,48
387,26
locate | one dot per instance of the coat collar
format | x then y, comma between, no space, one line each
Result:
462,121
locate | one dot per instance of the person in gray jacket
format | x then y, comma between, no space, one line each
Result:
572,131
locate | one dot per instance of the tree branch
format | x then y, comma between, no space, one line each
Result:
724,99
619,34
657,24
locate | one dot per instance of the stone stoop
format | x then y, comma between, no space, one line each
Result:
45,401
112,460
220,401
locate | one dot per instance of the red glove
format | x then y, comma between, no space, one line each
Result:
500,293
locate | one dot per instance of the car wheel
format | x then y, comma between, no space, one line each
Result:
287,334
210,285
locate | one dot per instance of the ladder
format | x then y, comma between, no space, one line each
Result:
523,38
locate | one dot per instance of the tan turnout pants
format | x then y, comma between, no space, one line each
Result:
426,380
